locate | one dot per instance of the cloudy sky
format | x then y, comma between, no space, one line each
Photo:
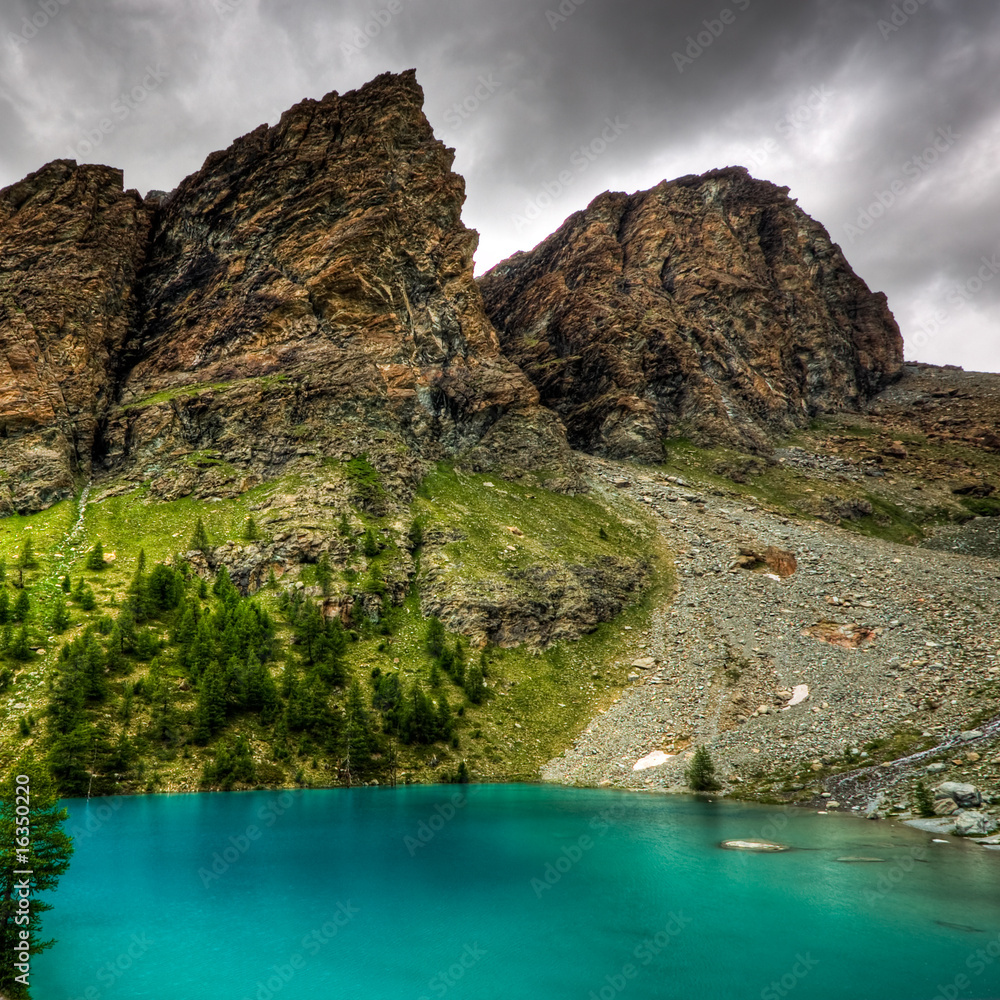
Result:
882,117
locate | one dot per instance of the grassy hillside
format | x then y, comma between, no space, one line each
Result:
142,724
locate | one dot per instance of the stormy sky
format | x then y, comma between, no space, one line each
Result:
883,118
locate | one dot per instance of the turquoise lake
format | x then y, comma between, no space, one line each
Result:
509,891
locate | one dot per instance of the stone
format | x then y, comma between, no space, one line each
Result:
654,759
962,794
970,823
645,663
623,316
945,807
759,846
937,768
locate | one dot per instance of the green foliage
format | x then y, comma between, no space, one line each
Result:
324,574
27,559
59,618
95,559
46,852
700,774
20,648
22,607
371,545
65,583
5,611
366,485
200,540
924,800
233,765
251,532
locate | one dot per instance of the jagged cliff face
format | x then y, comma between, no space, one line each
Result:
71,241
310,292
710,307
307,296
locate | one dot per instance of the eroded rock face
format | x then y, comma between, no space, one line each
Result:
71,241
710,307
310,292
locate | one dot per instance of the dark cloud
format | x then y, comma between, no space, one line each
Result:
550,102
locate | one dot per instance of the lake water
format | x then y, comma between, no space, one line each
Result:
509,891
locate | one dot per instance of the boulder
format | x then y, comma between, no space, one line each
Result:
963,794
971,823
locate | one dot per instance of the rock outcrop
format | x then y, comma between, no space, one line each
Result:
310,292
307,296
709,307
71,242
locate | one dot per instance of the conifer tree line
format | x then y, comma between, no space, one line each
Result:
184,663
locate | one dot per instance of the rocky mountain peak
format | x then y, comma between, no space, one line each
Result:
710,307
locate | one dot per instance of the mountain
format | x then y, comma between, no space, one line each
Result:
708,307
289,498
309,292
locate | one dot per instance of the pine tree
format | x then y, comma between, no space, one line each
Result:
475,686
4,605
359,739
700,774
345,526
27,558
95,560
250,530
924,800
60,616
65,583
370,544
3,569
435,637
200,540
324,574
20,648
272,580
22,606
46,854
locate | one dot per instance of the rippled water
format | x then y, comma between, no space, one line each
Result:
509,891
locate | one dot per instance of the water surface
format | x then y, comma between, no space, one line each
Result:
509,891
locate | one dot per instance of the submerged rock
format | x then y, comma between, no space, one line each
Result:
759,846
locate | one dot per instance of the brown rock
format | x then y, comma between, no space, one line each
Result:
710,307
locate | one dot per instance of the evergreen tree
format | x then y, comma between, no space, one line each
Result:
700,774
370,544
21,606
345,526
416,537
250,530
360,741
138,590
435,637
924,800
95,560
200,540
44,849
3,569
60,616
4,605
324,574
20,648
164,588
272,580
27,558
262,694
475,686
65,583
210,715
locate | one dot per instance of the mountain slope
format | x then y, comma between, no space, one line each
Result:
708,307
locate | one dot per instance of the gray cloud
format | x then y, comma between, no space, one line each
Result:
812,94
